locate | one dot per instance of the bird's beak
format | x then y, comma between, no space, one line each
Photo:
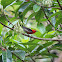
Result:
36,31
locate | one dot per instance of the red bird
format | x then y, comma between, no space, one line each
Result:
27,0
28,30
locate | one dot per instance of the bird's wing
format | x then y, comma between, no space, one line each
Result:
27,30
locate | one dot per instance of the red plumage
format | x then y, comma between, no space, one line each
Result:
27,0
33,31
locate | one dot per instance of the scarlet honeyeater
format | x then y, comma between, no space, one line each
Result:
28,30
27,0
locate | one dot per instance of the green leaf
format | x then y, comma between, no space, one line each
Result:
36,8
1,38
25,40
38,33
29,43
48,28
3,19
39,15
49,54
31,48
7,56
4,57
21,7
28,59
41,28
56,18
6,2
24,9
20,54
21,46
1,26
50,34
43,47
30,7
15,22
18,3
33,14
21,15
0,58
57,46
39,48
43,19
58,21
47,44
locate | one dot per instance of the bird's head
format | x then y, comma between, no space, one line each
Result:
34,31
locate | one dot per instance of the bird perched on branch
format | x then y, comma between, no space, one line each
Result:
27,0
28,30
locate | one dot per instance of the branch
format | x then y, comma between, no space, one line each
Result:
45,39
47,18
6,26
32,59
59,4
18,57
7,19
45,6
51,7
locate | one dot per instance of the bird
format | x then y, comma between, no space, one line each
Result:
27,0
28,30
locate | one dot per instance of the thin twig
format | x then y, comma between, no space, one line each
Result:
18,57
7,19
51,7
47,18
32,59
59,4
6,26
47,39
46,7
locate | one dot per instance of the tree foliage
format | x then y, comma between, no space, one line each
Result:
43,16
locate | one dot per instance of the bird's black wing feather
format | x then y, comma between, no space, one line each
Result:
26,29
